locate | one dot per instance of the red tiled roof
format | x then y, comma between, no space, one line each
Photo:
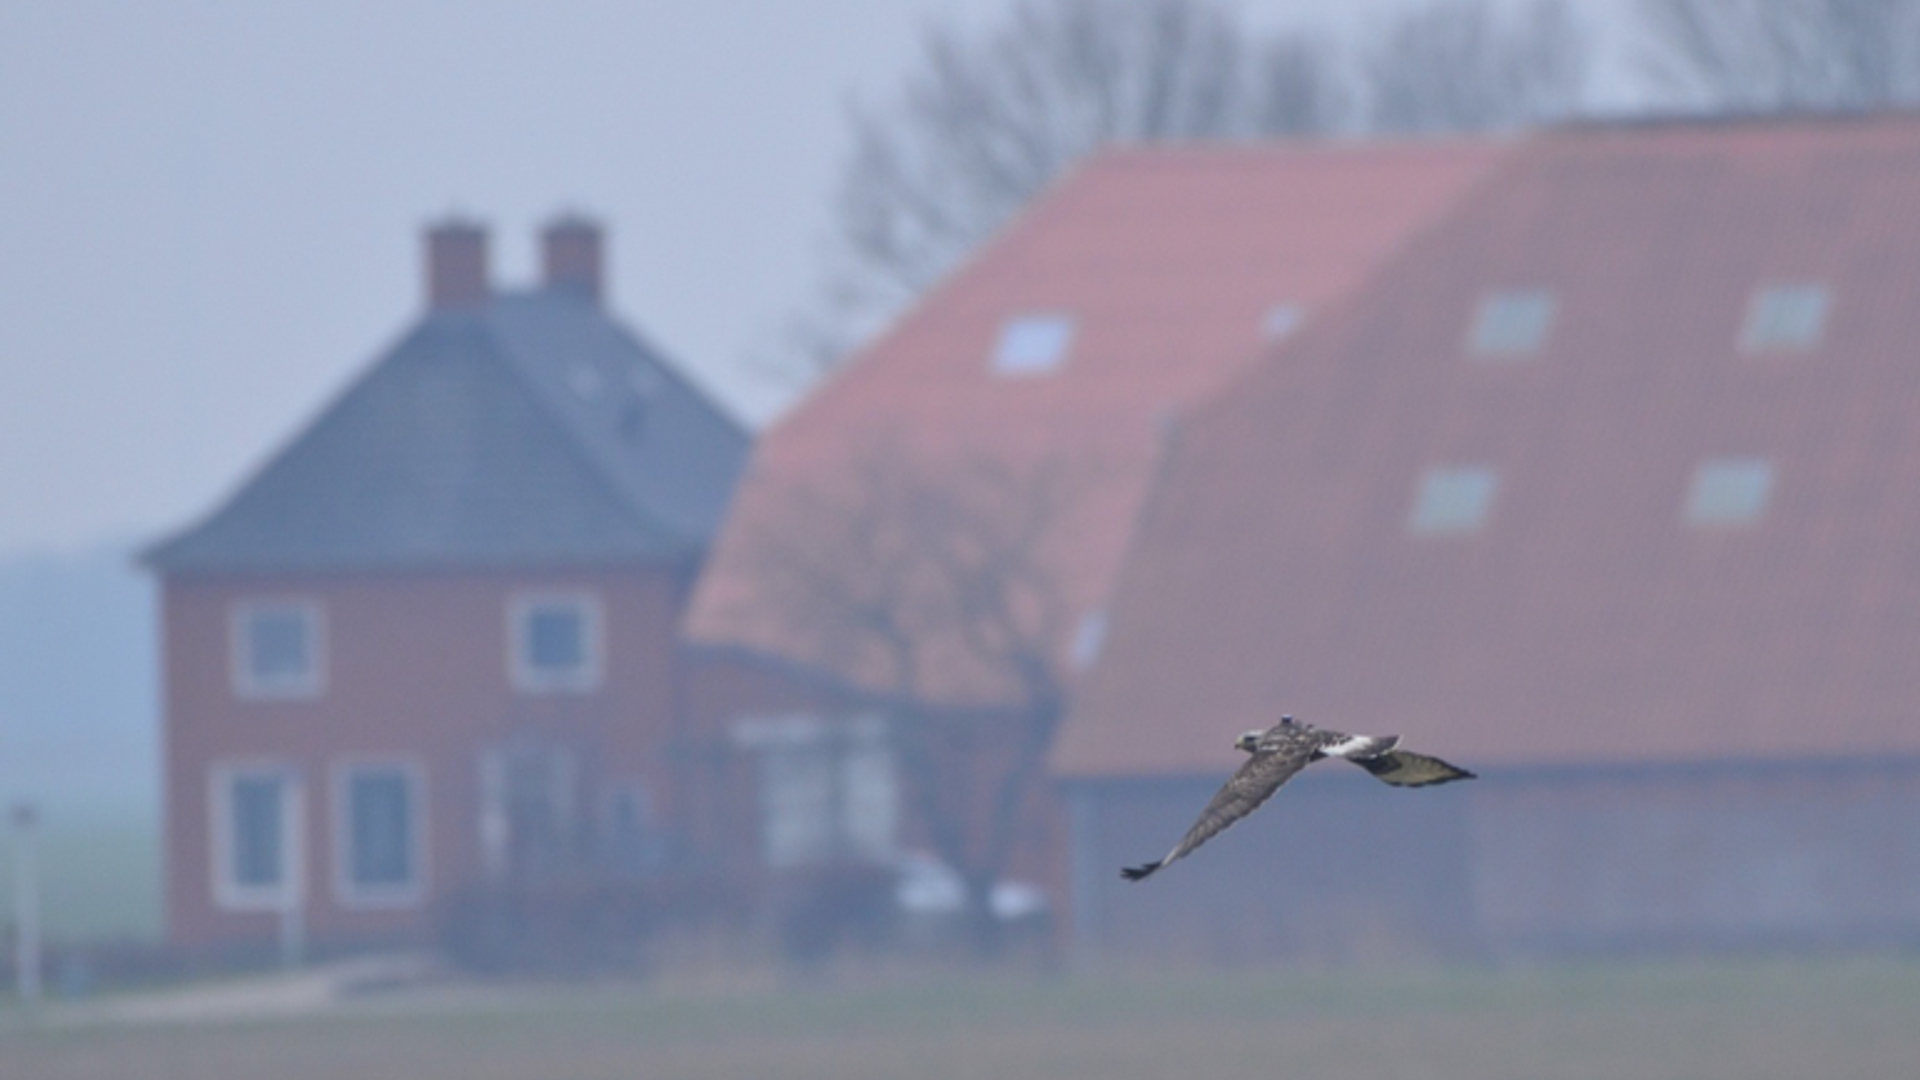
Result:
1586,621
1168,260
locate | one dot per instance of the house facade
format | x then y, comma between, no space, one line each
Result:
430,647
1603,488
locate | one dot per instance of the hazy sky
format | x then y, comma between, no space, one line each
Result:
209,210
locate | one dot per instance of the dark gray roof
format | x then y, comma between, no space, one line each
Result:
533,431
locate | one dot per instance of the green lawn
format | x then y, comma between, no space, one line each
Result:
1837,1019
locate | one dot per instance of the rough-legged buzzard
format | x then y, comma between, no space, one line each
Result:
1286,748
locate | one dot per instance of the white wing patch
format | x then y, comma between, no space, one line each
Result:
1361,746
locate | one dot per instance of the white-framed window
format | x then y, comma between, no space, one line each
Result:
278,649
1784,318
828,788
555,642
1511,324
1453,500
255,813
1033,344
379,833
1729,491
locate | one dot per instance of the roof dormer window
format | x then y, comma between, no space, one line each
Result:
1281,321
1511,324
1089,638
1033,344
1730,491
1453,500
1784,318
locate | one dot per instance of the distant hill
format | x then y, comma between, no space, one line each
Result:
79,713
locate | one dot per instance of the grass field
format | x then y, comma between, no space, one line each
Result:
1837,1019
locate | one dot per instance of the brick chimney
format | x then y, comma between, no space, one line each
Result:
571,256
456,265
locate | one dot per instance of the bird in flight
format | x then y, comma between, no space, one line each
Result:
1275,754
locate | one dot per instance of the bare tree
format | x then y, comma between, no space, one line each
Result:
1465,65
988,121
1771,55
928,584
1300,88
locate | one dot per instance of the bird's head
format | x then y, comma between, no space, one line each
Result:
1248,741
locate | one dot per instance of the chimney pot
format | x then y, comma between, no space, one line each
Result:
571,251
457,265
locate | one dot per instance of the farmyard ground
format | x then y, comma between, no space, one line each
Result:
1836,1018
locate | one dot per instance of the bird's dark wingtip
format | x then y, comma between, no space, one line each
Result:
1137,873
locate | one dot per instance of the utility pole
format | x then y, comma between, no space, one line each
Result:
26,906
293,899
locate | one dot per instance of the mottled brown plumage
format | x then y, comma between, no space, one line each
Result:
1284,749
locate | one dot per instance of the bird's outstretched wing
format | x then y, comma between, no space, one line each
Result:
1404,768
1254,783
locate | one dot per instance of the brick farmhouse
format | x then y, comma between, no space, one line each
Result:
430,646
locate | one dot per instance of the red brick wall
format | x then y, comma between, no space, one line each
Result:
416,669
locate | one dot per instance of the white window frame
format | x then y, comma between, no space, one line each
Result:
1034,343
1433,513
804,762
229,894
351,894
527,678
246,685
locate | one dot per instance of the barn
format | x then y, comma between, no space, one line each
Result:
1055,359
1607,486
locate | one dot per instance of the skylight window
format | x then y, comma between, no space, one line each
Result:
1730,491
1784,317
1453,500
1280,321
1034,344
1511,324
1088,638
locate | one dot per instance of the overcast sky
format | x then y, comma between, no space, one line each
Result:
209,210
